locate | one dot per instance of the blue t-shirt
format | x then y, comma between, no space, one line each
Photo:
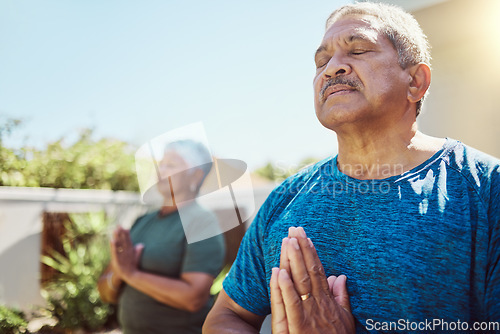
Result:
419,246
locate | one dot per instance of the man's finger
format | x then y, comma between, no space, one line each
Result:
284,261
293,303
278,314
331,280
312,263
340,294
292,232
299,273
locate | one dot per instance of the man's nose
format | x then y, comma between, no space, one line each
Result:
337,65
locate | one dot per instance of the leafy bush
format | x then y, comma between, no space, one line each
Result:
86,163
12,321
280,171
73,298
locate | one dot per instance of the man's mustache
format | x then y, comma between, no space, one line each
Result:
340,80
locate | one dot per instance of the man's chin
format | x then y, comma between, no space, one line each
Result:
330,119
329,125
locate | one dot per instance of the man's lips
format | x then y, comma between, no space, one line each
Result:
338,90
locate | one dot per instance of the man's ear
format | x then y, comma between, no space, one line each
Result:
420,80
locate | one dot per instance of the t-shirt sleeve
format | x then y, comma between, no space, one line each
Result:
207,255
246,282
493,274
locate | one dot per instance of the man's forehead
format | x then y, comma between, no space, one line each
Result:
353,27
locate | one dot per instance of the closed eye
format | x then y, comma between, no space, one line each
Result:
322,63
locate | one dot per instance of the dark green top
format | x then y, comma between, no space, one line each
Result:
167,253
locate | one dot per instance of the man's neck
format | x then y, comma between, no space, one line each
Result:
379,155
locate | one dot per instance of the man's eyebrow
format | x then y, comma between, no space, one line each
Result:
320,49
359,37
355,37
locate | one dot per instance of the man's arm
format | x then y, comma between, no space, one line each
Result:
228,317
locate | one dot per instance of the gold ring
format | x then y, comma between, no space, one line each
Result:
306,296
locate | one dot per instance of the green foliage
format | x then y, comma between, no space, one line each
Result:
73,298
84,164
217,284
9,161
269,171
12,321
279,172
7,126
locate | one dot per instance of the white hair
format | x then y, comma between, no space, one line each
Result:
193,152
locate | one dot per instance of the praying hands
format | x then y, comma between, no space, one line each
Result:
303,300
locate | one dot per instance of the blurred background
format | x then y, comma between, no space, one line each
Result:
85,83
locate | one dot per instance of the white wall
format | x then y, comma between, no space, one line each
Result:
21,211
463,101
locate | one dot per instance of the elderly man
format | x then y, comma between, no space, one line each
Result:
403,230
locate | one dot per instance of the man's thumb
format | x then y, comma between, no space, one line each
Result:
339,291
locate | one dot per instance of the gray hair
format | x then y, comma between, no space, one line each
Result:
400,28
194,153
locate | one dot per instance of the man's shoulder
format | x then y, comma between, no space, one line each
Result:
470,161
293,186
479,169
295,183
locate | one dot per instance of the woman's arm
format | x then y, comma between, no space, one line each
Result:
190,292
109,285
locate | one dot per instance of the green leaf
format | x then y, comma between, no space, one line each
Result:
73,299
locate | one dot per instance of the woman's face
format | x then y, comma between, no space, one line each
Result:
172,164
175,176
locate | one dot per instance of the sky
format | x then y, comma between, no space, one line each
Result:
134,70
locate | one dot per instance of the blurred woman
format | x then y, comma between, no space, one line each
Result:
161,282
